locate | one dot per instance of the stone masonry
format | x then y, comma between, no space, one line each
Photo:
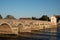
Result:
16,25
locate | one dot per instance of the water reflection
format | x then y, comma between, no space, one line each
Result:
58,33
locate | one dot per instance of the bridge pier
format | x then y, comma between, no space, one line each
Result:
15,30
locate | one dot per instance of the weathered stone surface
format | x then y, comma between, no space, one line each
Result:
25,25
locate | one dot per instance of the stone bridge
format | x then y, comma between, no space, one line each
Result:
14,26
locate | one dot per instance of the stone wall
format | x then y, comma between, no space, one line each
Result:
26,25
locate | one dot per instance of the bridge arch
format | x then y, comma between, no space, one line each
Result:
6,28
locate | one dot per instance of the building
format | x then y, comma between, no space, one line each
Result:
55,19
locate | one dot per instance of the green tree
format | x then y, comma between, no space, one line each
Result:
1,17
44,18
10,17
34,18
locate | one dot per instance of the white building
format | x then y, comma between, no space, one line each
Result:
55,19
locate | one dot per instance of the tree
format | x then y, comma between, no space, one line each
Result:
33,18
10,17
1,17
44,18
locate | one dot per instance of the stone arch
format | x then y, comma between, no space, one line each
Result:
20,26
5,28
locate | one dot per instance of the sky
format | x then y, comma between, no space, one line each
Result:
29,8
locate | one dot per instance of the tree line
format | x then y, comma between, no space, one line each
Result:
43,17
8,17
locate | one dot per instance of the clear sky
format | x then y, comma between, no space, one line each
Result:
29,8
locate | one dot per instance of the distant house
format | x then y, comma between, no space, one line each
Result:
55,19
